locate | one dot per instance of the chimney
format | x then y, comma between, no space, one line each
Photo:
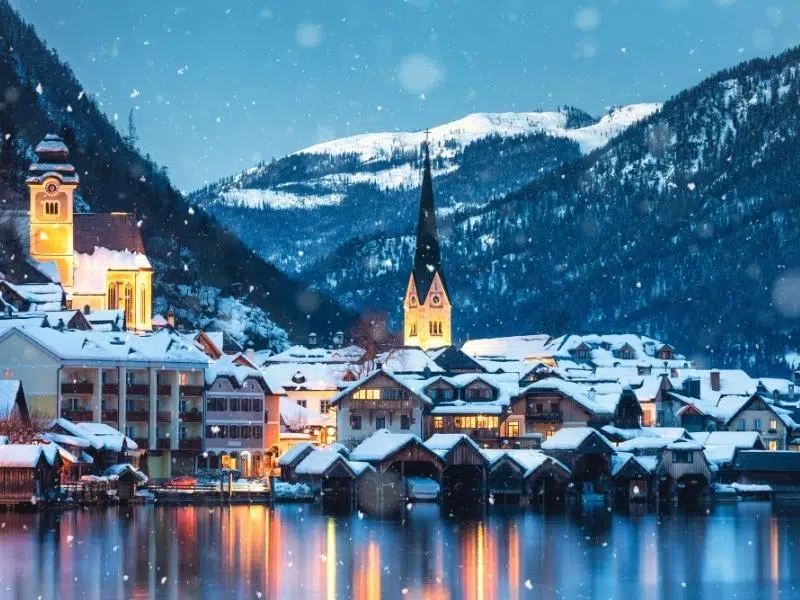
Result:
378,365
338,339
312,339
87,310
715,383
250,354
171,318
592,394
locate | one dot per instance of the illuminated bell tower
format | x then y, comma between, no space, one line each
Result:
51,183
426,307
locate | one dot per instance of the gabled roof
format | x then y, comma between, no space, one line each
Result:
573,438
382,444
294,454
114,231
451,358
399,380
444,443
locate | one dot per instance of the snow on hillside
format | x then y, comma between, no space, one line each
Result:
372,146
447,143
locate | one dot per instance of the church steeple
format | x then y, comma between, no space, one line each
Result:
427,306
427,257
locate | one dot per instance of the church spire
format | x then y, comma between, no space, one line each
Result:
427,257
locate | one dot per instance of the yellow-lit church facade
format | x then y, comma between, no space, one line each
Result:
100,258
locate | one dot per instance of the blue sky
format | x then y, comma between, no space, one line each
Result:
220,85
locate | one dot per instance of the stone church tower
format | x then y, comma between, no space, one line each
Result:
426,308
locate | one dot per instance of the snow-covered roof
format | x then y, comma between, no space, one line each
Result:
288,457
9,389
306,376
91,270
745,440
639,444
570,438
732,382
619,460
40,296
162,348
20,455
774,385
226,366
318,461
519,347
73,429
111,438
66,440
448,441
408,360
382,444
683,444
597,399
528,460
302,354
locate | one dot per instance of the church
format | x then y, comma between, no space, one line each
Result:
426,308
99,259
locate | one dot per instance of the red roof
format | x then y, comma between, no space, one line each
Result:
115,231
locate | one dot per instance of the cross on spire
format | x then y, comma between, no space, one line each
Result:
427,133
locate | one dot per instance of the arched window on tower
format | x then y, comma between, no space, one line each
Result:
129,303
113,295
412,332
142,302
51,207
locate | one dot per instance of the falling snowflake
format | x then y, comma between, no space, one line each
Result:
39,89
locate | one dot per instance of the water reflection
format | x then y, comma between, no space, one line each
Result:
298,552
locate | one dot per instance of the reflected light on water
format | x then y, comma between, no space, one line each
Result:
295,552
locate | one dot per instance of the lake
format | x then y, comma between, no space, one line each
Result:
296,551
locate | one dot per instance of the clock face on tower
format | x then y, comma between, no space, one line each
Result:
436,300
51,188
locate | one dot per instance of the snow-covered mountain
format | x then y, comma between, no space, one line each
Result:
684,227
365,184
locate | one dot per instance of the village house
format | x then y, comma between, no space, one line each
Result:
380,401
550,404
142,385
241,427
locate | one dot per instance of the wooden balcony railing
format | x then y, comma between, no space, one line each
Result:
192,417
77,388
163,389
192,390
191,444
111,389
143,443
137,389
111,416
545,417
380,404
163,443
78,415
164,416
136,416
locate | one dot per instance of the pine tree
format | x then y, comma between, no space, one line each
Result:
132,138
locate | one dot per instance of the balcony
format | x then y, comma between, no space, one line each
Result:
163,443
136,416
191,444
110,416
163,389
480,435
192,417
77,388
164,417
545,417
192,390
137,389
77,415
143,443
111,389
380,404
